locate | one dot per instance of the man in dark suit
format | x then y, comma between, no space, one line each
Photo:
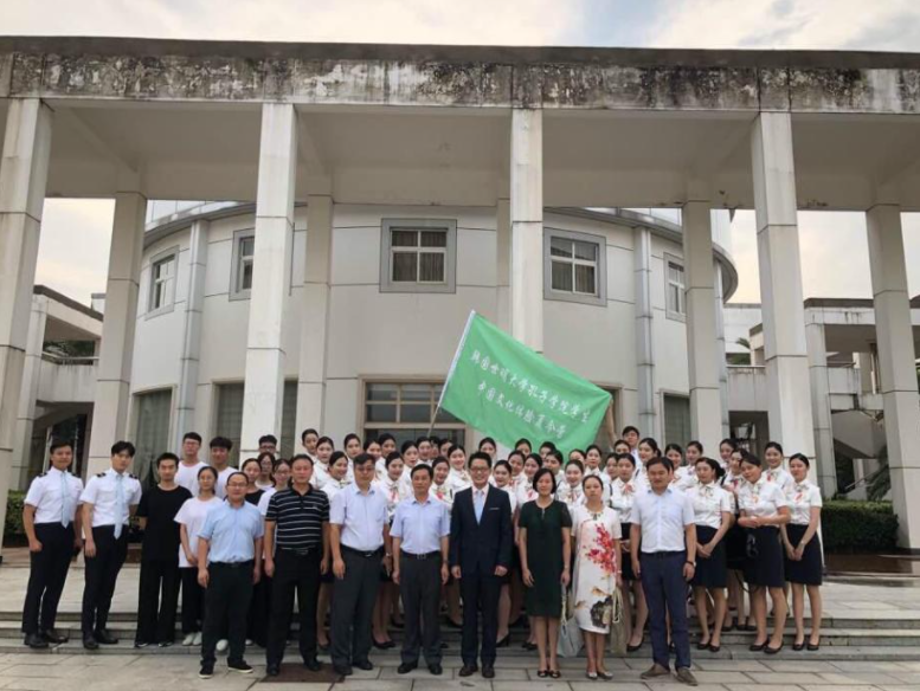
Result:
480,555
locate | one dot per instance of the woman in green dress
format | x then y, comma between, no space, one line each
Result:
546,552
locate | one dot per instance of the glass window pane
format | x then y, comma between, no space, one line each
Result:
676,420
152,434
673,297
434,238
404,266
431,267
246,276
675,273
445,417
584,280
229,419
416,392
559,247
380,412
288,420
404,238
562,276
586,250
415,413
381,392
247,246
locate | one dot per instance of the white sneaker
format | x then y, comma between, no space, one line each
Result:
189,639
222,645
197,640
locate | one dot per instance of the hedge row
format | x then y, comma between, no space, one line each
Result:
856,527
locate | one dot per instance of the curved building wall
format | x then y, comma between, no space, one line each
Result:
374,335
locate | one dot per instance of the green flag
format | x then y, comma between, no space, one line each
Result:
508,391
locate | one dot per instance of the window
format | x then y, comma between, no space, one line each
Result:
406,411
418,256
602,438
162,282
675,287
676,420
229,420
574,267
151,434
244,243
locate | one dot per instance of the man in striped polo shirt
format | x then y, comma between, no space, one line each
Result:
296,553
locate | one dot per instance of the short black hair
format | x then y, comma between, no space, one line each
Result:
221,443
748,457
309,430
406,445
520,442
630,428
362,459
539,475
662,461
575,462
422,468
301,457
555,453
60,444
191,435
800,457
167,456
386,436
393,455
479,456
548,445
624,457
234,474
487,440
268,439
122,446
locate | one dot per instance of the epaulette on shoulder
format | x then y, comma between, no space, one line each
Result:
133,477
43,474
100,475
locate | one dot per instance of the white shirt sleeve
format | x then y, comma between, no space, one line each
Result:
36,492
89,492
688,514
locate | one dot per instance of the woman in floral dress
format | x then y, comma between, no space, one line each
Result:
596,529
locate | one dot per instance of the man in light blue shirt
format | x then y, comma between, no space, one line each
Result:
420,532
229,564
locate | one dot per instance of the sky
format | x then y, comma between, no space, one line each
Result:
73,253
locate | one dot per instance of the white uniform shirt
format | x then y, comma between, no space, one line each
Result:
709,502
192,514
512,495
393,490
733,483
320,475
802,497
780,476
763,499
264,499
443,493
684,478
622,497
220,487
571,496
187,476
49,493
459,480
525,493
102,492
663,518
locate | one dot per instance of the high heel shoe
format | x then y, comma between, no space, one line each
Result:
814,646
757,647
605,675
799,646
773,651
591,675
634,648
714,648
504,642
702,646
543,673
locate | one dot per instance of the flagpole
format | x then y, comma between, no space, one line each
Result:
453,367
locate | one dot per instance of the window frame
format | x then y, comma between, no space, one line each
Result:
381,427
141,467
171,254
668,261
599,299
665,395
235,292
448,226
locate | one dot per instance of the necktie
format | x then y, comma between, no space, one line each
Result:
65,501
119,504
478,504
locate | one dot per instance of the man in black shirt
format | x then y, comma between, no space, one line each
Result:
160,556
296,553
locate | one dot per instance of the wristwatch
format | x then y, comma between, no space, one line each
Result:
692,563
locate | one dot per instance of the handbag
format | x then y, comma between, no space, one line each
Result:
570,638
618,639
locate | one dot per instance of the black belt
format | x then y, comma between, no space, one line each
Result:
420,557
662,555
362,553
303,552
233,564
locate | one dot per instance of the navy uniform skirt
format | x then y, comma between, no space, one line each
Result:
711,572
808,571
763,565
626,568
735,545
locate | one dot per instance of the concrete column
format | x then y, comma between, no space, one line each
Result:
702,327
821,409
113,383
503,263
311,385
527,227
866,377
265,356
645,354
191,336
25,422
896,362
23,176
785,352
719,300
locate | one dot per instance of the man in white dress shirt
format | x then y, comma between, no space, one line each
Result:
187,474
220,461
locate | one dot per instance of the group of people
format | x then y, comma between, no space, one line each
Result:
376,533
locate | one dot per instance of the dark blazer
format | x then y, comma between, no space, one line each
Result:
480,547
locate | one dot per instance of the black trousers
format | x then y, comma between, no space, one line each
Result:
420,589
47,576
157,600
480,592
353,607
192,600
666,594
300,573
101,576
227,600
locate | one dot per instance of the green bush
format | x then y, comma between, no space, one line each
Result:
854,527
13,530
